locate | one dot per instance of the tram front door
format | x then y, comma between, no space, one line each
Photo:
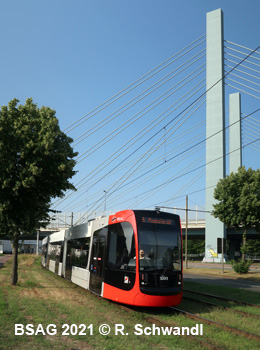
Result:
97,261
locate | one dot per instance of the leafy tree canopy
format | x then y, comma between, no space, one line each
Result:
36,163
238,198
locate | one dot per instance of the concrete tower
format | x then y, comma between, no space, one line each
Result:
235,145
215,121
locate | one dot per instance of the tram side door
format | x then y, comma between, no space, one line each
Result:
97,261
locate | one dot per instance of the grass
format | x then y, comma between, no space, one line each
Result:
43,298
219,315
227,292
234,306
250,276
217,336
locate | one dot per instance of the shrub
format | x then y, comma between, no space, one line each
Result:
241,266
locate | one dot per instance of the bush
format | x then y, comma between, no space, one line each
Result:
241,266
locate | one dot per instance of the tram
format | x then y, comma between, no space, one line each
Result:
132,257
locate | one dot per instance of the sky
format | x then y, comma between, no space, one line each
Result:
73,56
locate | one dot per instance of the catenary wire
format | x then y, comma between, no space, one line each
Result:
121,110
116,154
124,91
203,95
132,120
169,152
241,52
248,144
241,90
219,80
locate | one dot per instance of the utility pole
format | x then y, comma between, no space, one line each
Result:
71,220
222,254
37,244
186,235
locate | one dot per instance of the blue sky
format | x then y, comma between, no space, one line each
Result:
72,56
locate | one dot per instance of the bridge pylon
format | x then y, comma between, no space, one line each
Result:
215,121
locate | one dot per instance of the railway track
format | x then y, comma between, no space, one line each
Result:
160,323
158,320
218,324
243,313
221,298
195,338
152,317
206,344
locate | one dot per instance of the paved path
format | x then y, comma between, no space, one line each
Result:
3,259
223,281
253,268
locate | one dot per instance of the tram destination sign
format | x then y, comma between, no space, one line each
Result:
160,221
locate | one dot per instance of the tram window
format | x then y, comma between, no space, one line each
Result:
121,246
162,246
44,250
55,251
78,252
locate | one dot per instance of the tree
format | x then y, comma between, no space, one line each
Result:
196,246
253,247
238,198
36,163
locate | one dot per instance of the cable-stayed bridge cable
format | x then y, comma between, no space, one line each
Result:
213,86
121,110
139,81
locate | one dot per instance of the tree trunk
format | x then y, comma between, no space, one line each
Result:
14,277
244,246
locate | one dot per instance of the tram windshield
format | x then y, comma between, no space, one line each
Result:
159,245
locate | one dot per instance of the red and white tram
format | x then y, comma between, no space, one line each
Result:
133,257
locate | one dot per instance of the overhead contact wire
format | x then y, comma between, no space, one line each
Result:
116,96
